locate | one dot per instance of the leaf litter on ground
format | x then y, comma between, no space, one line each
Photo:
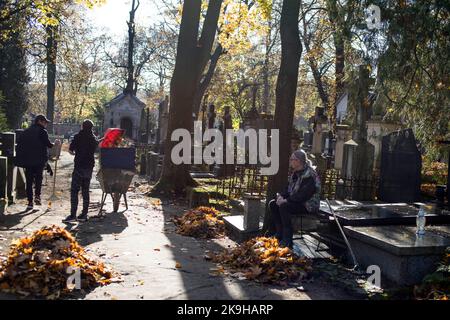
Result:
37,266
262,259
201,222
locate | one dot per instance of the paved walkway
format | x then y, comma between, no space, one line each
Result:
142,245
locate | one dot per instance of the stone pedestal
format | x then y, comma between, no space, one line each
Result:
251,212
343,134
358,166
197,197
318,139
236,231
152,166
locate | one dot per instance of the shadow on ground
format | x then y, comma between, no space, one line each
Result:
195,270
92,230
9,220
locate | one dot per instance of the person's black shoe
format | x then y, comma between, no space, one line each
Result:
82,218
37,201
70,218
30,206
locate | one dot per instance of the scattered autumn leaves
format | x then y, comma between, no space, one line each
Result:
37,265
263,260
202,222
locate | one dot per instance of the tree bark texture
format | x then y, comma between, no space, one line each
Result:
193,54
286,90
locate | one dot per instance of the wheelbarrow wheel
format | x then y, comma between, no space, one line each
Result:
116,201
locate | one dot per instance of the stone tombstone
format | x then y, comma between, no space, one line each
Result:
318,139
296,139
265,121
400,170
211,116
251,119
8,148
3,177
320,130
227,123
252,205
163,121
358,155
376,129
343,134
152,168
308,139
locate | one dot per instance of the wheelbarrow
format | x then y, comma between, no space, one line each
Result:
114,182
117,169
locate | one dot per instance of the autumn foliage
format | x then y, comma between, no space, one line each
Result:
202,222
37,265
263,260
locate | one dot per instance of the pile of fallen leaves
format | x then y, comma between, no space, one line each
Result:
39,265
263,260
201,222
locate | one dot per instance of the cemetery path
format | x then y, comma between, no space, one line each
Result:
142,245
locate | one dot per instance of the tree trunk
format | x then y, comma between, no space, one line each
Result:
265,71
192,57
204,84
51,74
131,86
338,23
339,68
291,50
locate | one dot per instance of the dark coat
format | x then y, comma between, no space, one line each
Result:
84,144
32,145
304,188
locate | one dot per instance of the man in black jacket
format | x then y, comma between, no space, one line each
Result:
32,154
83,146
301,197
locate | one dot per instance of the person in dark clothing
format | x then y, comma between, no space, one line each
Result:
302,196
83,146
32,154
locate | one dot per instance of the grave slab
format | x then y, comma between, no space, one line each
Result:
383,214
403,257
236,231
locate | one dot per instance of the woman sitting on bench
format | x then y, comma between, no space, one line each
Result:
301,197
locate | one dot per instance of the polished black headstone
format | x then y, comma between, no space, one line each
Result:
400,171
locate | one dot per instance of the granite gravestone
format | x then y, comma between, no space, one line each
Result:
358,156
401,165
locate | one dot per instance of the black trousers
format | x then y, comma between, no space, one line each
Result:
33,175
81,179
282,219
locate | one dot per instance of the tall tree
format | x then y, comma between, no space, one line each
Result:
291,51
193,53
51,50
13,75
131,34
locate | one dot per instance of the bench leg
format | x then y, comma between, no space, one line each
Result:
301,227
